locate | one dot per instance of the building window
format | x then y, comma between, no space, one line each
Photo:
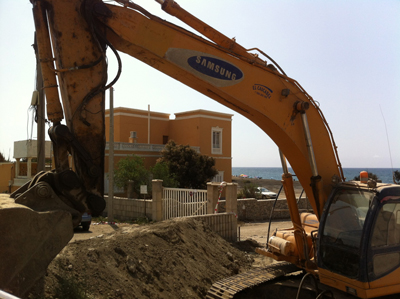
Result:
133,134
219,177
165,139
216,137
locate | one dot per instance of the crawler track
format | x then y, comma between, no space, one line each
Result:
229,287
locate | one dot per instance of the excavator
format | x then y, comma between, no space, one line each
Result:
349,245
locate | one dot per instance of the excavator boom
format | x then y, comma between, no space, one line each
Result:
78,32
238,80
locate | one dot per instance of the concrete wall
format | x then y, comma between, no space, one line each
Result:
195,128
28,149
250,209
127,209
224,224
7,174
128,119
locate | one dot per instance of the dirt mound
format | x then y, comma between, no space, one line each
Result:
178,258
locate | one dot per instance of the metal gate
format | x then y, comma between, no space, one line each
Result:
183,202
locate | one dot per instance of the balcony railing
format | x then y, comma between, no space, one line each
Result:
142,147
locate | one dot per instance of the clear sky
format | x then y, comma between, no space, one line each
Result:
345,53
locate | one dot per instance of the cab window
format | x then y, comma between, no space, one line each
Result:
343,229
385,238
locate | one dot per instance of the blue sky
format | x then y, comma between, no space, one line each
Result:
344,53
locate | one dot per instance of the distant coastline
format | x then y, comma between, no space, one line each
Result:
275,173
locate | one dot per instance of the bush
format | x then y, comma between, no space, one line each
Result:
3,159
161,171
142,220
396,177
249,190
131,168
70,288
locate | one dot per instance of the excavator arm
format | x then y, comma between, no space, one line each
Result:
220,69
224,71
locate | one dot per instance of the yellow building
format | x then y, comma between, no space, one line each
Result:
144,133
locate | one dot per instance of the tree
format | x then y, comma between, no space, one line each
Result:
161,171
191,169
370,176
396,176
131,168
3,159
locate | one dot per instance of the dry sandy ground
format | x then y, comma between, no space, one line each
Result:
257,231
177,258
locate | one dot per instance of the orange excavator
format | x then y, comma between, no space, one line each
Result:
350,245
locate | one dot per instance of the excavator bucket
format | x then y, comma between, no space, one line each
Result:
29,241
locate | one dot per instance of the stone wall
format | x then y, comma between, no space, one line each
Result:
250,209
127,209
223,224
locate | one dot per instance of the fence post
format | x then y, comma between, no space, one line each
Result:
231,207
157,191
231,198
212,197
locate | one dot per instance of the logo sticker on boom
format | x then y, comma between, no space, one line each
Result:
208,67
262,90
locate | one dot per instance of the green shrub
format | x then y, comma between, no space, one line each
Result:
249,190
69,287
142,220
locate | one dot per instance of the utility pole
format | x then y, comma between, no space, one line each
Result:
148,124
41,148
111,159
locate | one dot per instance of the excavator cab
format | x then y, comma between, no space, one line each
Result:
359,240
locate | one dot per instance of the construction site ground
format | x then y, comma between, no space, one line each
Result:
179,258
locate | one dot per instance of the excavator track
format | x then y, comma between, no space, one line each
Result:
229,287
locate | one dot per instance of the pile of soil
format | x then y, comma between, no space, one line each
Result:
179,258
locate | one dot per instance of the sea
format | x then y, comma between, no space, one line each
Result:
275,173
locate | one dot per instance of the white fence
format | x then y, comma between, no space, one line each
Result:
183,202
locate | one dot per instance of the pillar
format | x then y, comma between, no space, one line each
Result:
212,197
17,167
29,168
231,207
157,190
231,198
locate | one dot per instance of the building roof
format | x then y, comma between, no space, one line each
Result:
137,112
178,115
203,113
